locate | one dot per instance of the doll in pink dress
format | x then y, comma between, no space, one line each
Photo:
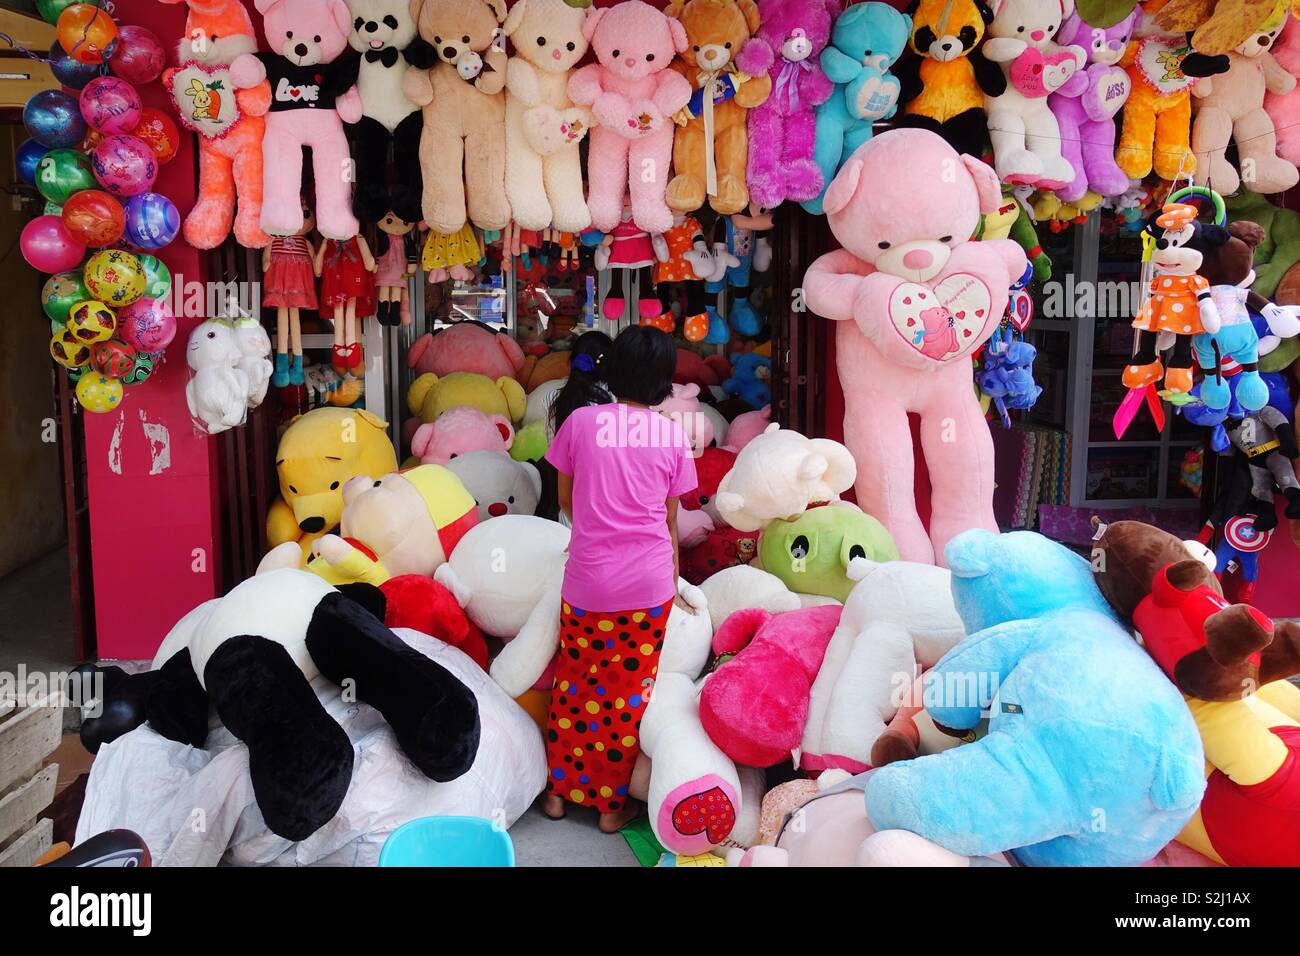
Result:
628,246
289,284
398,252
347,290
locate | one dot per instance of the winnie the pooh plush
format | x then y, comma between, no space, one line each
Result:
1231,664
317,455
711,147
463,148
543,127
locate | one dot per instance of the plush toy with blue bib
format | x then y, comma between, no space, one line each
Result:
868,38
1091,757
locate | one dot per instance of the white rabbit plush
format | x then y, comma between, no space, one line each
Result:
254,358
217,392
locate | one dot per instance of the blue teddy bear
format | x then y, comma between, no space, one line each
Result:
750,375
866,41
1091,757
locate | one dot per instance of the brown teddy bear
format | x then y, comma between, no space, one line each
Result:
711,148
1210,649
462,150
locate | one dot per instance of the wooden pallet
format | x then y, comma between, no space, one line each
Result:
28,735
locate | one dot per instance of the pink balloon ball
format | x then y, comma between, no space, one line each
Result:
139,57
49,247
125,165
147,325
109,104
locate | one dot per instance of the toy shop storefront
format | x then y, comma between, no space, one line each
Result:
379,252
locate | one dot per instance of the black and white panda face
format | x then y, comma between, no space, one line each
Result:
380,24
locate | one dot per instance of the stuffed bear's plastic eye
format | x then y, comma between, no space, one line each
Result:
464,39
541,41
883,245
437,39
316,38
293,489
704,499
945,238
356,24
696,49
334,486
570,46
288,34
376,484
649,57
615,54
727,45
390,21
510,500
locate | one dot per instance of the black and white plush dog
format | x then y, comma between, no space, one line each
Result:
383,32
252,655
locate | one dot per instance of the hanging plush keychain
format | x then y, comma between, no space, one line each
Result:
1178,307
1007,374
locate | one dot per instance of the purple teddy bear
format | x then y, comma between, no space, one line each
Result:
783,129
1086,105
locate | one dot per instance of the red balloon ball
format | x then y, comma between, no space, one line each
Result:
113,358
159,133
147,325
49,247
94,218
139,57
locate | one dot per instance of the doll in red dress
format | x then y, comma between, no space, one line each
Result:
628,246
289,284
347,289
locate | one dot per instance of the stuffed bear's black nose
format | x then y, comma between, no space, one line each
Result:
448,52
372,26
300,49
313,524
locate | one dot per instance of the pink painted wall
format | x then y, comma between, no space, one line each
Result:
153,519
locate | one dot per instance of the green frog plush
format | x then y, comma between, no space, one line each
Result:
811,553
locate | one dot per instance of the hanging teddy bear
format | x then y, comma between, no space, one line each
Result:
1230,108
313,93
463,146
383,32
711,147
633,93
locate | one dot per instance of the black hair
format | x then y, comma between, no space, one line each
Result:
641,365
584,384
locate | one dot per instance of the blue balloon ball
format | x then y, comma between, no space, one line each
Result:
28,155
54,119
152,221
72,73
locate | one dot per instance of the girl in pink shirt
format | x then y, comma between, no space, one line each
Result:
621,469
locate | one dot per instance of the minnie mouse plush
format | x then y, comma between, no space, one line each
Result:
312,95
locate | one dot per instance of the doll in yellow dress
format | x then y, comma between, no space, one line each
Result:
451,254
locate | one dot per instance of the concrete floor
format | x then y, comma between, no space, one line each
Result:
573,841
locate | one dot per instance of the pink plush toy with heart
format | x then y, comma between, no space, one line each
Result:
905,254
460,430
313,93
633,95
1085,107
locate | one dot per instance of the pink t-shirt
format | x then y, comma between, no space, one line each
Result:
625,462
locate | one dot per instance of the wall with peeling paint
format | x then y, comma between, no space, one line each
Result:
30,485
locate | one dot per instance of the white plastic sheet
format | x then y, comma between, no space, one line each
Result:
195,807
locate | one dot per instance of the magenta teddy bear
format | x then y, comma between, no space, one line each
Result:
633,95
312,95
783,129
460,430
754,706
1086,105
903,207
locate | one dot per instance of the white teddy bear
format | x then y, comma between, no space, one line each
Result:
779,474
217,392
254,358
500,485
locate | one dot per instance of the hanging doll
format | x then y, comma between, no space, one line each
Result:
398,253
449,255
628,246
683,261
289,284
347,289
1180,303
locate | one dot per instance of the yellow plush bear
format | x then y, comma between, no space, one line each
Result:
430,395
317,455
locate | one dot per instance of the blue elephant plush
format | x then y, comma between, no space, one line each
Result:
1092,757
868,38
751,374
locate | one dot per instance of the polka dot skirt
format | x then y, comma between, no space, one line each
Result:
604,675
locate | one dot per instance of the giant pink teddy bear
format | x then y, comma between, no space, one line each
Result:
902,207
313,93
458,431
633,95
1285,107
783,128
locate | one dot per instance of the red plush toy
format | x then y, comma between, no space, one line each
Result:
721,548
424,605
698,515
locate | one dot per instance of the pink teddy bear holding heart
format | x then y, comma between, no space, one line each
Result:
906,263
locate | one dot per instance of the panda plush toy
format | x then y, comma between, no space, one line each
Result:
384,33
251,656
